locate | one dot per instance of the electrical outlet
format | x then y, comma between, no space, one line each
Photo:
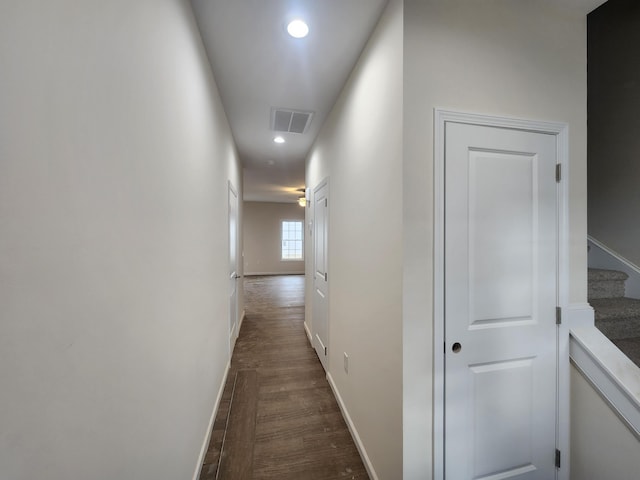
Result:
346,363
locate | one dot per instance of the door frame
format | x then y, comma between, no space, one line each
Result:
561,131
232,190
314,325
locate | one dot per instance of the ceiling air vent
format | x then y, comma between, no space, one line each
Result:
291,121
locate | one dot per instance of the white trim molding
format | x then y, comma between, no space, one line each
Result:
352,429
610,373
242,317
207,437
573,316
308,332
561,131
275,274
601,256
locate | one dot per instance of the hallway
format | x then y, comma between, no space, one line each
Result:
299,430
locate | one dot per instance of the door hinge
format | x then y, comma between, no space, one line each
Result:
326,277
558,172
325,351
558,315
326,202
557,458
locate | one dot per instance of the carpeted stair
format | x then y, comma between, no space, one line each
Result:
617,316
606,283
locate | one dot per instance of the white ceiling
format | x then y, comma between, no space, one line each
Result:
257,66
584,6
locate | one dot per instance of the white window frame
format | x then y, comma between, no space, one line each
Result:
282,240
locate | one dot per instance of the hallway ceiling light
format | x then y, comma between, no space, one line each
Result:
298,29
278,139
302,201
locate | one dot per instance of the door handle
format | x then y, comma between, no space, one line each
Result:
456,347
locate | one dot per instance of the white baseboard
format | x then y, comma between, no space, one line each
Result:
244,314
308,332
207,437
601,256
352,428
259,274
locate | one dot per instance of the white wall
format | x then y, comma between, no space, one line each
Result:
601,445
115,155
517,58
263,238
360,150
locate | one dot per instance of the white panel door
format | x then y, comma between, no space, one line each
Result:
233,267
320,324
500,299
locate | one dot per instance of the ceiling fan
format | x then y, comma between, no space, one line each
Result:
304,196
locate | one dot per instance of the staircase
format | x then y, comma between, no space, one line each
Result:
616,316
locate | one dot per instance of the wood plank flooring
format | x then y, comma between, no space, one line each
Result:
299,430
236,461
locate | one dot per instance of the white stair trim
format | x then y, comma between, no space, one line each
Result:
601,256
610,372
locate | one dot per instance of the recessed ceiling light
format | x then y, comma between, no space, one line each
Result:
278,139
298,29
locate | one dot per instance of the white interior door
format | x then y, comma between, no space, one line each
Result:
320,323
500,303
233,266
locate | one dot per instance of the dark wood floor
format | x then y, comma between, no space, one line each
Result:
294,428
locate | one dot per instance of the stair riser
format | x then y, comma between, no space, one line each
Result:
606,289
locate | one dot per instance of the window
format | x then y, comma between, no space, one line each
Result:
292,240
